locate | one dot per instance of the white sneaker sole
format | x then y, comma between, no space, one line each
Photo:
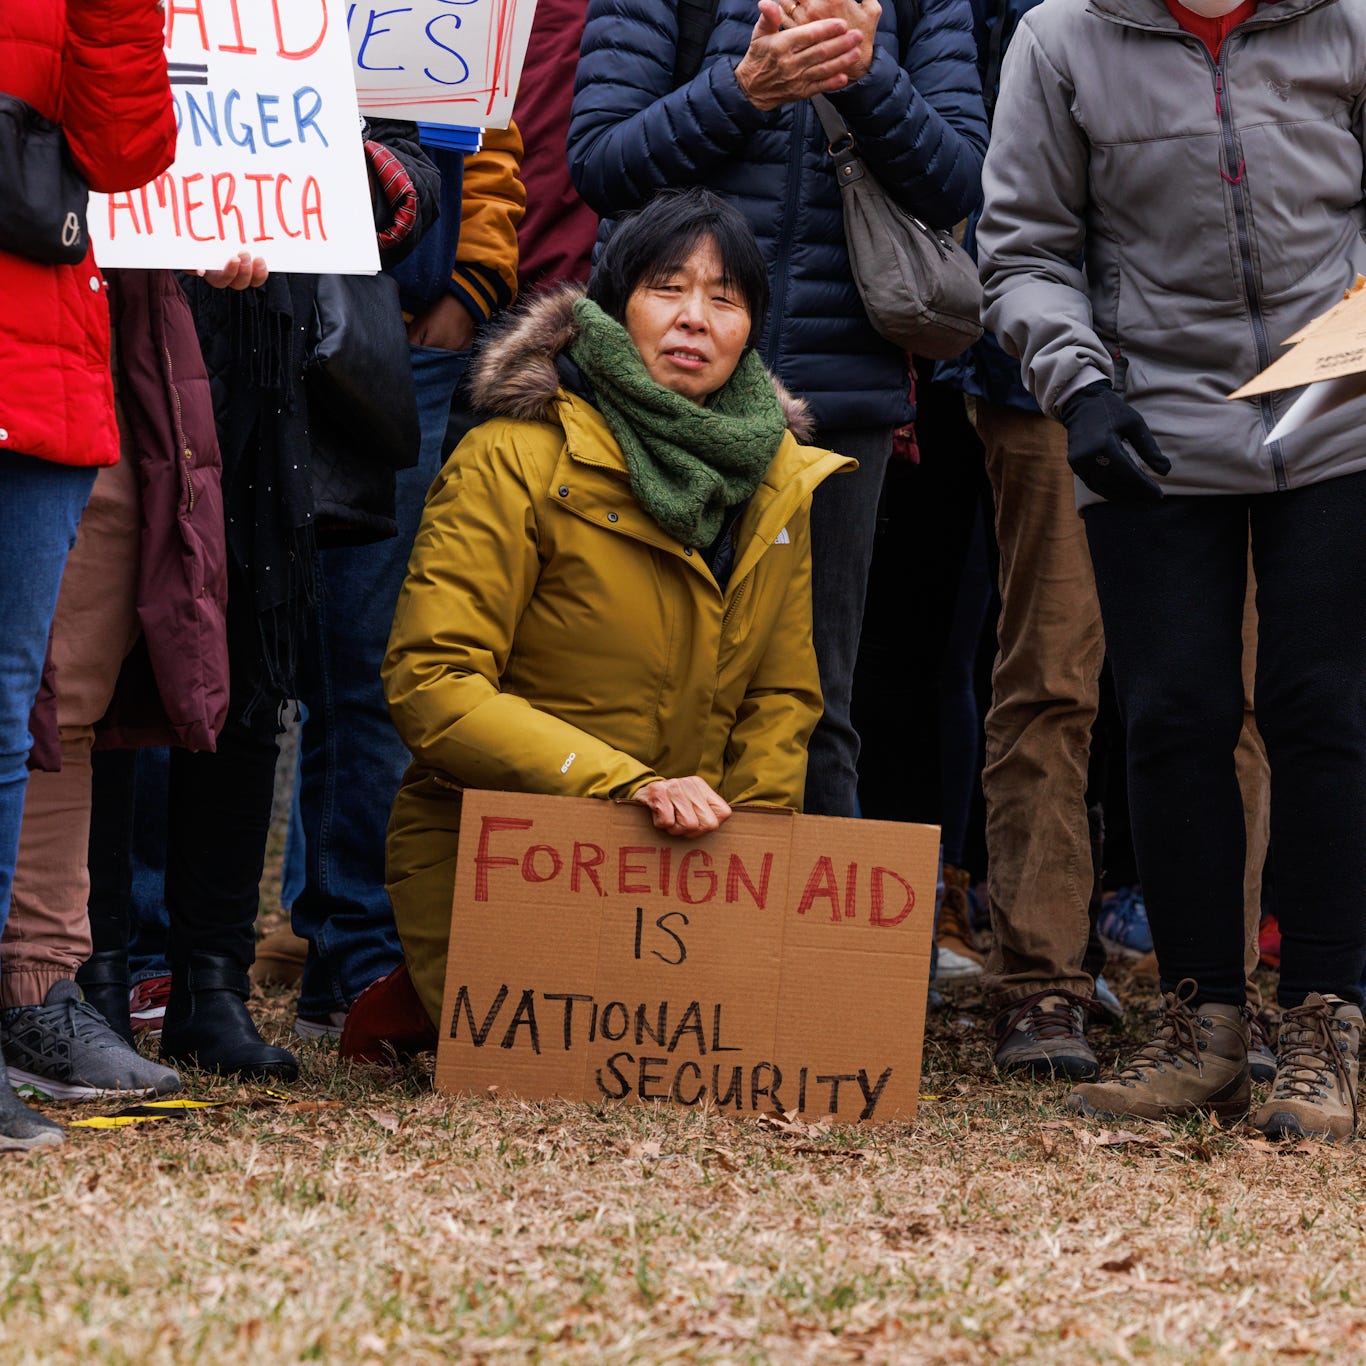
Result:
44,1088
46,1139
953,967
315,1029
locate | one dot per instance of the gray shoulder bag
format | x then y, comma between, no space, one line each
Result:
919,287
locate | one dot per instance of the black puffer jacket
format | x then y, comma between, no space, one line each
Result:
920,125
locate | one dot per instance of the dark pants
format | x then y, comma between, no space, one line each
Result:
1171,581
915,687
351,758
219,806
843,523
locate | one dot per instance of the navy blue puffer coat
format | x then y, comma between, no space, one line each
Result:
922,131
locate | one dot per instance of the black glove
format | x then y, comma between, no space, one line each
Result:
1099,424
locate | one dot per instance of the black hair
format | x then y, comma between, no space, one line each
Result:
656,241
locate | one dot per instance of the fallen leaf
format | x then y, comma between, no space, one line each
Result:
1117,1138
1125,1263
725,1159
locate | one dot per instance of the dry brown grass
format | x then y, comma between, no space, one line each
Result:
377,1221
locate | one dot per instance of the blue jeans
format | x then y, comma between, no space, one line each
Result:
149,925
40,509
351,758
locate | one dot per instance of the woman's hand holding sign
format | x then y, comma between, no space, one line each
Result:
684,806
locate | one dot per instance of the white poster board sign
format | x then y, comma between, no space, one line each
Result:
440,61
269,157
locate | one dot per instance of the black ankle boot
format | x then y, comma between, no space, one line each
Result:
208,1025
103,980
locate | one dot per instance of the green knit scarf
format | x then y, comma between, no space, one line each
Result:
688,463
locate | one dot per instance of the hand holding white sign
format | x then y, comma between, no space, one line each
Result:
269,155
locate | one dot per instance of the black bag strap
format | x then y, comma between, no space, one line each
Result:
697,18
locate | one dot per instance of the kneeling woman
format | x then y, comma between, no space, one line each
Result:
610,594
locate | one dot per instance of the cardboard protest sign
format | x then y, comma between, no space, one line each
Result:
780,964
1329,355
269,156
440,61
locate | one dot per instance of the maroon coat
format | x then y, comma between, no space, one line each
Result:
174,686
557,235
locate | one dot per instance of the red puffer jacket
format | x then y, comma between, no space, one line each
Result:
98,68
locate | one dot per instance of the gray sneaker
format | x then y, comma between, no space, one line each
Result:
63,1050
20,1127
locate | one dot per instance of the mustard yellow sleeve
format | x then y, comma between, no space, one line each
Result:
473,570
765,760
493,203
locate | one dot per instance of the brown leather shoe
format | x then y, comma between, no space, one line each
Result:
1194,1063
279,959
1315,1091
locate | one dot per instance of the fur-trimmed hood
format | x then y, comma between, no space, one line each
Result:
515,375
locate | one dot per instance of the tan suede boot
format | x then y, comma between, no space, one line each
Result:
1315,1091
959,956
1195,1062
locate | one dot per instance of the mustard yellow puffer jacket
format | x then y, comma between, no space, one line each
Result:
551,638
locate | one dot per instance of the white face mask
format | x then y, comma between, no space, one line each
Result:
1210,9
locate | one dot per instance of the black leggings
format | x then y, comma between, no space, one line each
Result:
218,816
1171,579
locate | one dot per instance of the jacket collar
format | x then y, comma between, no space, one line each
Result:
1153,15
794,473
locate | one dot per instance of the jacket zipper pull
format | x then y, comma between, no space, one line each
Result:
1219,92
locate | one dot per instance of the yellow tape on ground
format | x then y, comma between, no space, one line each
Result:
141,1114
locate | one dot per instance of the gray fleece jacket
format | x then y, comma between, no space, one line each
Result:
1218,208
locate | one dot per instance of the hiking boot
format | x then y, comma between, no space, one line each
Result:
1043,1036
1195,1062
20,1127
959,958
1123,924
208,1025
147,1004
64,1050
1315,1091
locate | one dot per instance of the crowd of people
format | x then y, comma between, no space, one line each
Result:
644,507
